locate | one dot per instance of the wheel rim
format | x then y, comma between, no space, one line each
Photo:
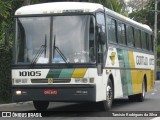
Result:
143,90
109,94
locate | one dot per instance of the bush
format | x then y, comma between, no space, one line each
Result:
5,73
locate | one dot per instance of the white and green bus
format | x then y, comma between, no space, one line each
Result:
80,52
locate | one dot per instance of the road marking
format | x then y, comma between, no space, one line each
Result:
15,104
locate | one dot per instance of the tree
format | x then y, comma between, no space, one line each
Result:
136,5
115,5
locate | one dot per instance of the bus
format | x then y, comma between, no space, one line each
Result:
80,52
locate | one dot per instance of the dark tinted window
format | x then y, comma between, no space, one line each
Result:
111,24
144,41
121,33
130,35
137,38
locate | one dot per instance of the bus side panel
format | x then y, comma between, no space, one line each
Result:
112,63
143,66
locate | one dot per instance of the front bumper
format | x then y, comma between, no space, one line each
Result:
65,93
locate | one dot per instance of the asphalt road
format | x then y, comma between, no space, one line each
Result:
88,111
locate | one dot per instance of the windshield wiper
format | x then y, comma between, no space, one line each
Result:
59,51
40,51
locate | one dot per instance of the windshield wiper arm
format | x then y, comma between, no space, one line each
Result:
40,51
59,51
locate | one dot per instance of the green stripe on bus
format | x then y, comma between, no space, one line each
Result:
128,73
66,73
125,74
54,73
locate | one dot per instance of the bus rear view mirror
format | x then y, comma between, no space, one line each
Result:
102,38
100,63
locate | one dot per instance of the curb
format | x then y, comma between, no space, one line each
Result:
13,104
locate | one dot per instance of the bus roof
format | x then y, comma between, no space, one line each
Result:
60,7
57,7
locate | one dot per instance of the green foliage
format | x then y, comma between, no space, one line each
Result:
5,73
146,15
7,8
115,5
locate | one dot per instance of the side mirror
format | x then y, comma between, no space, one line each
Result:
102,38
100,63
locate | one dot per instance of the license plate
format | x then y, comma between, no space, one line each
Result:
50,92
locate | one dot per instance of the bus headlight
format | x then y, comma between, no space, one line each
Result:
81,80
18,92
19,81
24,80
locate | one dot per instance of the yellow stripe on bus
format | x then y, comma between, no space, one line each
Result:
133,72
79,72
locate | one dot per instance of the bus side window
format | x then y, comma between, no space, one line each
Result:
137,38
111,25
101,20
144,41
130,36
121,33
147,41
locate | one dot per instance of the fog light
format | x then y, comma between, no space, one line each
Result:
77,80
24,80
18,81
84,80
18,92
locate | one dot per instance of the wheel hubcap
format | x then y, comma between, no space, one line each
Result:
143,89
109,94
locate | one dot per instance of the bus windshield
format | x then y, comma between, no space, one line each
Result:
73,36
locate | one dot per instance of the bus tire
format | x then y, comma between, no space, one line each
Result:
41,105
139,97
107,104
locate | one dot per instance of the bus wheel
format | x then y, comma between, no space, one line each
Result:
141,96
41,105
107,104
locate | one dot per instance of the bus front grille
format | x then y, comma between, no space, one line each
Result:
57,80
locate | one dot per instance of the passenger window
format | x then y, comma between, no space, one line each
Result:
144,41
111,24
130,36
137,38
121,33
147,41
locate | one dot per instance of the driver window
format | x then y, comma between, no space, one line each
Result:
91,40
101,20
